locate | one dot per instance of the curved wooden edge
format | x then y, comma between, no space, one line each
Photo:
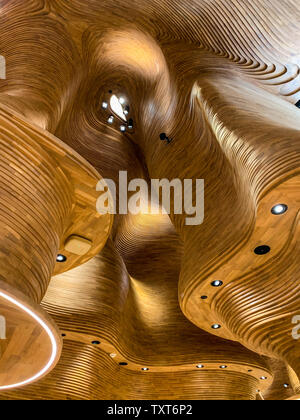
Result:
118,357
46,326
85,221
263,233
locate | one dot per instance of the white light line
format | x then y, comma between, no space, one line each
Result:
48,331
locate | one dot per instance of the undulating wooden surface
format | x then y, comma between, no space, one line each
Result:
219,77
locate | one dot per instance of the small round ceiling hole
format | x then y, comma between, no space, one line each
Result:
96,343
200,366
216,326
123,364
262,250
204,297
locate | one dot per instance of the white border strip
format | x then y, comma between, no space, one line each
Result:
48,331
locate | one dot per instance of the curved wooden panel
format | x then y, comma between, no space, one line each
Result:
87,373
40,206
221,78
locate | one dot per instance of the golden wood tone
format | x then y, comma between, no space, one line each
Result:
219,77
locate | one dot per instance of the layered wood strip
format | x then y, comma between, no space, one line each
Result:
221,78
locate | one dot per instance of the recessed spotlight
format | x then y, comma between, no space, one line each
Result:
111,120
279,209
144,369
96,343
286,385
64,335
223,367
123,364
216,326
113,355
122,101
263,378
104,105
61,258
204,297
217,283
200,366
262,250
123,128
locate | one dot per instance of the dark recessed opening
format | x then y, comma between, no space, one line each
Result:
96,343
64,335
110,91
163,136
262,250
123,364
298,104
204,297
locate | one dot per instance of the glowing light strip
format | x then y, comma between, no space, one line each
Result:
48,331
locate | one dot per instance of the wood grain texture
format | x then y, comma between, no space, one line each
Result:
220,77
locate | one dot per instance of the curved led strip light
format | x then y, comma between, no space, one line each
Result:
50,334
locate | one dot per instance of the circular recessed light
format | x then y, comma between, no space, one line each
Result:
262,250
123,128
200,366
286,385
61,258
263,378
104,105
123,364
216,326
279,209
96,343
64,335
217,283
110,119
144,369
250,370
122,101
204,297
223,367
113,355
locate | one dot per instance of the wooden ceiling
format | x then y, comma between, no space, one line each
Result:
221,78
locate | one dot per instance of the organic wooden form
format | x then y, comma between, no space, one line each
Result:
220,78
41,204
